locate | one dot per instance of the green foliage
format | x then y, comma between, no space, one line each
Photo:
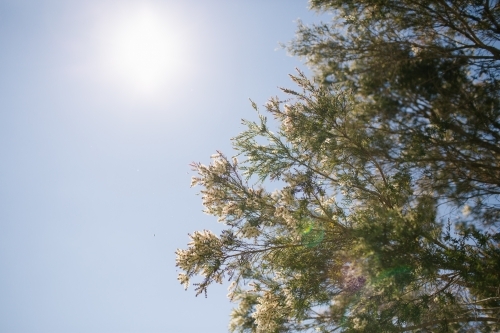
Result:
385,211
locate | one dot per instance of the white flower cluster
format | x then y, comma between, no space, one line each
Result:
287,124
204,244
268,313
214,179
183,279
245,306
289,297
285,214
232,290
466,210
230,208
248,231
224,194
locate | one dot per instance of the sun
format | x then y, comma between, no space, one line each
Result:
141,49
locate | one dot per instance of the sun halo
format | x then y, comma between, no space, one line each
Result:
140,50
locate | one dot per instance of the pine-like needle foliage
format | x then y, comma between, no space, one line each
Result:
382,213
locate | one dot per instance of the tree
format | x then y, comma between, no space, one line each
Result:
386,175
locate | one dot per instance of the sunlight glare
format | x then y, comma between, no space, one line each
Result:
141,51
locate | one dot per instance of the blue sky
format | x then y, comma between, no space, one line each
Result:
103,104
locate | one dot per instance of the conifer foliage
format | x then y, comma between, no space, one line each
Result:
373,206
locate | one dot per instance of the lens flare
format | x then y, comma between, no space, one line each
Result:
312,235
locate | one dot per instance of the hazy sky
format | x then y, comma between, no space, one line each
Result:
103,104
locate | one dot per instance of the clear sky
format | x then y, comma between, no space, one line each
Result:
103,104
